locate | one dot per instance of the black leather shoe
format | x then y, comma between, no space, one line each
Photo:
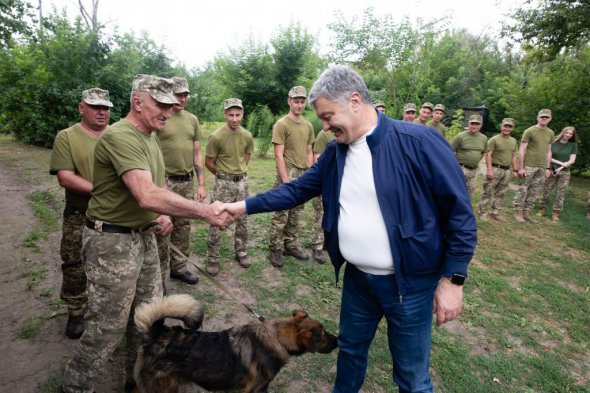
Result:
75,326
296,253
187,277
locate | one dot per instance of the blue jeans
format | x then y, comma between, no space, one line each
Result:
366,298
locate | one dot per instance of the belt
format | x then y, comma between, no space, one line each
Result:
505,167
468,166
234,178
112,228
185,177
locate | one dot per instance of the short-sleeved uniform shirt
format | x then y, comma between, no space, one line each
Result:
178,141
562,152
122,148
229,149
469,148
502,149
439,127
322,140
538,140
73,150
295,137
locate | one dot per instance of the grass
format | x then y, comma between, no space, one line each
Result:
524,327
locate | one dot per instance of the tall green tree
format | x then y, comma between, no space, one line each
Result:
15,18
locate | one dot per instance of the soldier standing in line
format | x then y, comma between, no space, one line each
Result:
533,166
469,147
181,147
229,149
72,161
317,237
500,156
292,137
424,113
380,106
409,112
437,115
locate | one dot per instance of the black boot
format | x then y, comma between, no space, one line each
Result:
75,326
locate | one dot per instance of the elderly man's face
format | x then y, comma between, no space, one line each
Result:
94,117
338,118
153,114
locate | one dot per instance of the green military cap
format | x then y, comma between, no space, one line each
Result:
379,103
544,112
298,92
160,89
440,107
475,119
509,121
409,107
96,96
231,103
428,105
180,85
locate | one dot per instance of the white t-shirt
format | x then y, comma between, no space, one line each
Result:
361,228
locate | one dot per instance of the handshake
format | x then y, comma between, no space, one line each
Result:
222,215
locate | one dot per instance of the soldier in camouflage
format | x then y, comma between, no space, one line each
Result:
72,161
181,148
379,105
409,112
437,115
128,206
469,147
229,149
500,156
292,137
424,113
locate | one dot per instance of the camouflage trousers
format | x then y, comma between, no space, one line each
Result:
561,181
73,286
229,191
181,232
123,271
525,196
286,224
470,180
494,190
317,236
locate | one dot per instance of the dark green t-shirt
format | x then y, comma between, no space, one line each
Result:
295,137
178,142
502,149
469,148
538,140
229,148
322,140
120,149
562,152
438,126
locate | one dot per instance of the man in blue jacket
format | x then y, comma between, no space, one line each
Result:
396,209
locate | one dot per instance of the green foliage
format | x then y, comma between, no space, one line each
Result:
13,20
456,125
260,123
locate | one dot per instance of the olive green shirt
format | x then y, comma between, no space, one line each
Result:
468,148
562,152
295,137
322,140
538,140
229,149
122,148
502,149
178,142
73,150
439,127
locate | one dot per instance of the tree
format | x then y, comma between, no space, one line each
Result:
13,19
546,27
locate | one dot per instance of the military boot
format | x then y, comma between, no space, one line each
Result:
319,256
519,217
212,268
244,261
296,253
555,216
276,259
75,326
528,218
541,212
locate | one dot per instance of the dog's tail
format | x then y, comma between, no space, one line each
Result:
183,307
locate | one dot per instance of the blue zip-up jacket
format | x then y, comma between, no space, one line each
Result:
421,192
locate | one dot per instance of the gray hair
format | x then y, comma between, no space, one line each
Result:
337,83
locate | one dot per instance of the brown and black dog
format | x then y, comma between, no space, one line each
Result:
246,357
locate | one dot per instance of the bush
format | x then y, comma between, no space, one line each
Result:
260,123
456,125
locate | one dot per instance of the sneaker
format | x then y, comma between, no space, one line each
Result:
319,256
244,261
296,253
276,258
75,326
187,277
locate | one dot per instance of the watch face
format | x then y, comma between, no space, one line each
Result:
457,279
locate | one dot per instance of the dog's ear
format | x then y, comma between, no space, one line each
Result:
299,315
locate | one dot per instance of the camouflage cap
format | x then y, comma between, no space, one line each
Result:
180,85
231,103
96,96
160,89
475,119
379,103
439,107
509,121
544,112
428,105
298,91
409,107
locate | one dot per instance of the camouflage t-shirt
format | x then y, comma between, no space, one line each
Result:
562,152
229,149
322,140
73,150
502,149
469,148
295,137
439,127
177,140
120,149
538,140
